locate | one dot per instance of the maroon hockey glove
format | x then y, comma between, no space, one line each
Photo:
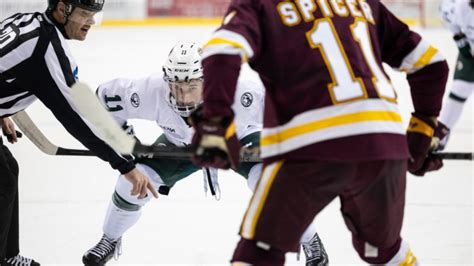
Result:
442,134
214,142
420,143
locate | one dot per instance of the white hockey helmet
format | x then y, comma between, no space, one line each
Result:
183,73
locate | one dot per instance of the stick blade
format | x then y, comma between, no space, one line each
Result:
92,110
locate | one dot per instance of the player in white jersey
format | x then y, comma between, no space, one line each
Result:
458,16
36,63
168,99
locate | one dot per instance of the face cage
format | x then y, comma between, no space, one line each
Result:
184,111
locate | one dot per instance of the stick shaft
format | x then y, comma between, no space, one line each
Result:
24,122
454,155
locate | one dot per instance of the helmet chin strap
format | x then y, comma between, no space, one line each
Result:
186,110
67,12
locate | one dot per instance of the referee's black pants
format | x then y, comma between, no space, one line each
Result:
9,224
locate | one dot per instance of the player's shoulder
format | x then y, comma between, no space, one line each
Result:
152,86
156,83
23,18
18,29
463,11
150,83
246,84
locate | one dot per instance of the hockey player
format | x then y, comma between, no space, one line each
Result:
331,122
169,99
458,16
35,63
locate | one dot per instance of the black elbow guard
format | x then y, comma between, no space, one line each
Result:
463,45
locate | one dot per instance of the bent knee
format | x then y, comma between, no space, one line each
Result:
123,197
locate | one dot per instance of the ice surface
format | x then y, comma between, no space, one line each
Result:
63,199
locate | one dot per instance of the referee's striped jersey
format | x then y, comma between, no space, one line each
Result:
35,63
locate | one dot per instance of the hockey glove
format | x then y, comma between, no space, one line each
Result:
420,143
442,134
214,142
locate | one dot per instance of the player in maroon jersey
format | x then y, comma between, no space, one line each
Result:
331,125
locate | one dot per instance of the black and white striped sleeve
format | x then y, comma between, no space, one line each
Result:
57,76
48,73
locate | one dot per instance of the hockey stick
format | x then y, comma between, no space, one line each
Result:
25,124
453,155
28,127
90,107
113,134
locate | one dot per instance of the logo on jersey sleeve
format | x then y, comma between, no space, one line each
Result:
246,99
76,73
135,100
229,17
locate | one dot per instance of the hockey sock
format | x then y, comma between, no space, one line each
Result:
404,257
118,221
453,106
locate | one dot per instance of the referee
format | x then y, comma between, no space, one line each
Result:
35,63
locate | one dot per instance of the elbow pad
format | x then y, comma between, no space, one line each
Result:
463,45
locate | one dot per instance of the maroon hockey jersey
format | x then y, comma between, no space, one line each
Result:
327,95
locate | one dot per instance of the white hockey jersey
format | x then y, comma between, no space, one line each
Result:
147,98
458,16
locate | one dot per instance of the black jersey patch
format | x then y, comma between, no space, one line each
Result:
135,100
246,99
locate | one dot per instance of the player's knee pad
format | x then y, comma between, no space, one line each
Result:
461,90
122,197
254,176
376,254
250,252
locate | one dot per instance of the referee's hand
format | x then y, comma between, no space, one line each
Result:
9,131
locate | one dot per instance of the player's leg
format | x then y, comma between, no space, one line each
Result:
311,243
9,216
285,202
123,212
372,207
8,206
462,87
124,209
